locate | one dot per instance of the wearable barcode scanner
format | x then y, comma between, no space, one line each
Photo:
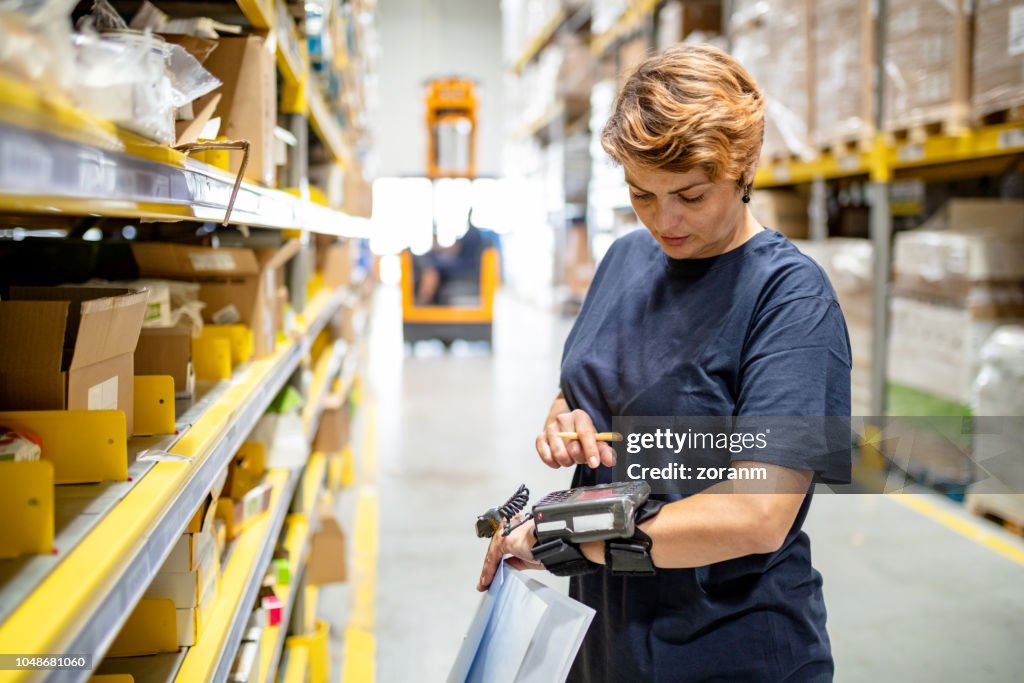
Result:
590,513
488,523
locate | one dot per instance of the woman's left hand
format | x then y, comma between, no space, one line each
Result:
519,544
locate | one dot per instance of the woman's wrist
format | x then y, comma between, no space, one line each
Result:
593,551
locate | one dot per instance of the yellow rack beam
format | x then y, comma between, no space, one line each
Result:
540,41
936,150
202,660
630,20
325,125
297,539
65,605
166,186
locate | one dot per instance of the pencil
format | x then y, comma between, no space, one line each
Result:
600,436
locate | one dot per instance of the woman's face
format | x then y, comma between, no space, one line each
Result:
689,215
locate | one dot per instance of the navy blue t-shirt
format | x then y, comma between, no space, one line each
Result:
754,331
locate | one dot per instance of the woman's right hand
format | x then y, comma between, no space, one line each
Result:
586,450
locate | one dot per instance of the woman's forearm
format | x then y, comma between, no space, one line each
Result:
715,527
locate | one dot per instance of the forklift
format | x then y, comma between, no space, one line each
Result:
460,309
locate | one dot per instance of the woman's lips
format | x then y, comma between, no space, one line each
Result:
674,241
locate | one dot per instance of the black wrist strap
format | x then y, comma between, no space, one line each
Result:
562,558
632,556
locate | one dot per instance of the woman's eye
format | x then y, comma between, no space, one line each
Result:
692,200
640,197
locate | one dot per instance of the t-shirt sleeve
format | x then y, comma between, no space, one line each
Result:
794,382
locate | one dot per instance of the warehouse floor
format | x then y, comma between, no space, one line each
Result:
920,591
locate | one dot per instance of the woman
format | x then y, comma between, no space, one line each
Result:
706,313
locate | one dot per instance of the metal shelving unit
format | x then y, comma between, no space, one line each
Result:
81,603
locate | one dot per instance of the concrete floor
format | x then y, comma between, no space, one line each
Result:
909,599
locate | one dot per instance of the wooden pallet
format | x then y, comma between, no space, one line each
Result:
919,131
1013,114
779,159
1005,509
847,145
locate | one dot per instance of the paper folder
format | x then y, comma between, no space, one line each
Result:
523,632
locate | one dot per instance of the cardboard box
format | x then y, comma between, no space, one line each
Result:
191,622
167,351
328,562
69,348
631,55
248,104
998,75
335,422
927,53
773,41
967,243
781,210
843,48
233,284
338,262
188,589
678,19
936,348
238,514
186,553
246,470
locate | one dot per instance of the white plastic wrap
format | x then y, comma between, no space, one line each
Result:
926,54
771,41
35,42
137,80
998,78
999,386
122,77
843,42
941,256
999,390
169,302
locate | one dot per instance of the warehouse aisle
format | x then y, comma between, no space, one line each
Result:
909,598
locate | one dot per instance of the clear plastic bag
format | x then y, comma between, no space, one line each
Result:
35,42
122,77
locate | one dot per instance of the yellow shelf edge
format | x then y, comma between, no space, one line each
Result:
202,659
298,537
1005,139
324,124
257,15
298,665
539,41
23,108
61,604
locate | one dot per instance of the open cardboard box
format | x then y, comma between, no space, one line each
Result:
247,105
69,348
167,351
233,284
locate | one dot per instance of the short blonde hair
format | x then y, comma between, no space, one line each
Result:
693,106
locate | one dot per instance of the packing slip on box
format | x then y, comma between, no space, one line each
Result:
69,348
233,284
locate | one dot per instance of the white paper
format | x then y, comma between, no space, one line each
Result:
513,623
103,396
228,315
558,637
212,261
518,610
1015,41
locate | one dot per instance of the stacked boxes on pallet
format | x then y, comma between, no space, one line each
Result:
926,64
773,43
843,46
998,71
849,265
956,281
